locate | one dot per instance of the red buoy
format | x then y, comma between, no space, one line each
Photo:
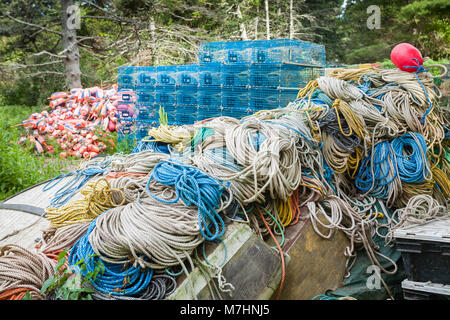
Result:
404,55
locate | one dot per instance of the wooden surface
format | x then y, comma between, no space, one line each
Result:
316,264
250,265
23,228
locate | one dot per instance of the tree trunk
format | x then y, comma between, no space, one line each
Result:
291,19
70,47
153,41
241,24
266,5
256,22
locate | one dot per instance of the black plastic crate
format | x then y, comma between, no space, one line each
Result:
425,251
425,291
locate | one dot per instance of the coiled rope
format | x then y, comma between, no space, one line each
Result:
23,271
116,279
97,197
194,188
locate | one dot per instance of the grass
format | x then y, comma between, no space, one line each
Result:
20,166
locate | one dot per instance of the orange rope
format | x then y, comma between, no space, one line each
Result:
115,175
14,294
281,255
54,256
295,208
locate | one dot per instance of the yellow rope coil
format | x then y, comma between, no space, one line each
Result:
97,198
309,88
284,209
410,190
350,74
353,162
352,120
178,136
442,180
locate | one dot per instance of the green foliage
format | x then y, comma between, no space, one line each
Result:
125,145
162,116
19,168
68,285
424,24
426,8
122,35
27,296
29,92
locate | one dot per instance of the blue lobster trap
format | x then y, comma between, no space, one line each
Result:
146,97
126,111
186,115
211,52
166,75
235,75
126,78
234,97
187,95
288,51
210,96
142,128
263,98
146,113
204,113
287,96
236,112
146,78
166,95
310,73
210,74
127,96
276,75
238,52
187,75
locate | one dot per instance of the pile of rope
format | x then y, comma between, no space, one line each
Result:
352,142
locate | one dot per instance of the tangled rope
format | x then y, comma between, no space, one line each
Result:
194,188
97,197
352,142
420,209
115,279
23,271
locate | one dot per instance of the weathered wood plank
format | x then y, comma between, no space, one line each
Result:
22,228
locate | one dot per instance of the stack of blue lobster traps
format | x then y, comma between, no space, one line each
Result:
233,79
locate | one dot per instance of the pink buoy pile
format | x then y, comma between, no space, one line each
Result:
78,121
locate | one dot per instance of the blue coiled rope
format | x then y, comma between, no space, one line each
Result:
66,192
378,182
156,146
320,98
116,279
407,153
411,152
194,188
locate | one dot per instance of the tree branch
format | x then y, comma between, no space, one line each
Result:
33,25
